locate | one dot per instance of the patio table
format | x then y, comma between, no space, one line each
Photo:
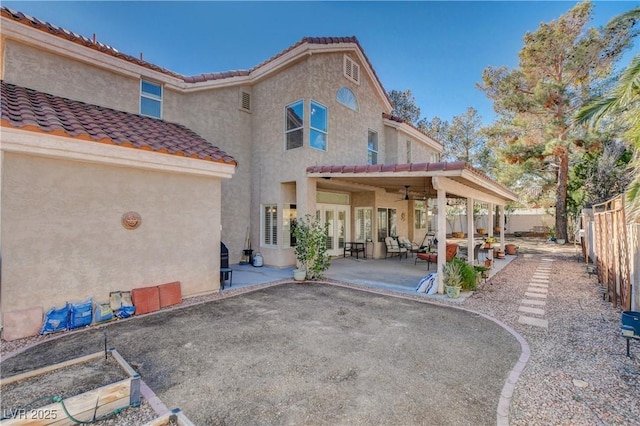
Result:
356,247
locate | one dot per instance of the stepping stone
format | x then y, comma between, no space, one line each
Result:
538,289
533,302
538,322
534,285
538,295
529,310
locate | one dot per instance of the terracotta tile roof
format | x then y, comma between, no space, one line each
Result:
41,112
79,39
106,49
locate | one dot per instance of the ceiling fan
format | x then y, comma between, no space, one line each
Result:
407,197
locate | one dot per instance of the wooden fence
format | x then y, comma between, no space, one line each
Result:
614,255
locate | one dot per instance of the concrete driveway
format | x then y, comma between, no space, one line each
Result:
309,354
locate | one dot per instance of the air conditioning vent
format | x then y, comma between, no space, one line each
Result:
351,70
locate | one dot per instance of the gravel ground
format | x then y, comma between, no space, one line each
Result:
578,372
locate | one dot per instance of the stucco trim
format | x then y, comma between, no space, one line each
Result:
46,145
414,133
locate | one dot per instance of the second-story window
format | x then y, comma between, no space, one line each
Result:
372,148
408,151
294,122
150,99
318,130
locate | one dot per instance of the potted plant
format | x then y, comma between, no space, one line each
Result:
489,241
452,277
482,271
311,248
511,249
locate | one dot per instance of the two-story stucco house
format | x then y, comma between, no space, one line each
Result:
308,131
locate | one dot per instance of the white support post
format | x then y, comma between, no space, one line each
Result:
490,219
442,236
502,227
471,229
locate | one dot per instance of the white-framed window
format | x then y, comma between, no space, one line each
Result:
372,147
409,151
289,217
364,224
420,215
269,225
351,70
347,98
387,223
294,125
435,157
150,99
318,126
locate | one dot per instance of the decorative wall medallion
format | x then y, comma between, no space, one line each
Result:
131,220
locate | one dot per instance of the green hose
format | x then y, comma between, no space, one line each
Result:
64,408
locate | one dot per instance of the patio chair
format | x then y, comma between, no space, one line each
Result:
451,250
409,245
393,248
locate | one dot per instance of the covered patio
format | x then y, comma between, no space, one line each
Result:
413,182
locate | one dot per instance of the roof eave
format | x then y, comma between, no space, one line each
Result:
25,141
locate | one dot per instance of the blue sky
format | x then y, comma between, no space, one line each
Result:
436,49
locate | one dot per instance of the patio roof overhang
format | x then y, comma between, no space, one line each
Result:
458,179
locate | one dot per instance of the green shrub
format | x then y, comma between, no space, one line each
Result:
311,246
467,273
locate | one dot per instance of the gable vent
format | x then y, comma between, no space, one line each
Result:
245,101
351,70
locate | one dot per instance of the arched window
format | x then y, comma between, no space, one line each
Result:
347,98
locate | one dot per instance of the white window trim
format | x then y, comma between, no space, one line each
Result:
377,150
263,225
286,223
151,96
409,144
344,89
297,128
325,132
363,237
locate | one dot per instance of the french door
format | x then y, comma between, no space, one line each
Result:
337,218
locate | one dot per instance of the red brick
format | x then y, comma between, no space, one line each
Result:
170,294
146,299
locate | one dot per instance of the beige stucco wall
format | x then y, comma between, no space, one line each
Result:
215,115
44,71
62,238
318,78
255,139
